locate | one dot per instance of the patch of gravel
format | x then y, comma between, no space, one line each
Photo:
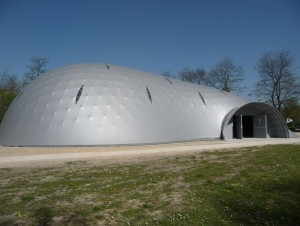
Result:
50,156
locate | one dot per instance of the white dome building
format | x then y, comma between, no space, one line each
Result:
96,104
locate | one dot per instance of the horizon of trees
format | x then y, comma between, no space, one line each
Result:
278,84
11,85
225,75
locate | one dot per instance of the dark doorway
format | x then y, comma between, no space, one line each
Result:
237,127
247,126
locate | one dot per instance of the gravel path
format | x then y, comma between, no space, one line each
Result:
49,156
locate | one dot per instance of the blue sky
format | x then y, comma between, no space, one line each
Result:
150,35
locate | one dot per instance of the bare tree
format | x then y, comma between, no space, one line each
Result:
198,76
9,82
278,83
168,74
9,88
186,75
291,110
3,78
36,67
12,84
203,77
227,76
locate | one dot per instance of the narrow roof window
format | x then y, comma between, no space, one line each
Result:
201,98
222,91
18,96
169,80
149,94
79,94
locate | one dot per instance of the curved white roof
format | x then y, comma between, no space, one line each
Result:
98,104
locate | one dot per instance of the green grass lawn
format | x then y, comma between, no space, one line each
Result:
250,186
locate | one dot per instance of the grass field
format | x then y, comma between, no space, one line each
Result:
249,186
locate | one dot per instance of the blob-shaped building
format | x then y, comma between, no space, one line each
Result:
101,104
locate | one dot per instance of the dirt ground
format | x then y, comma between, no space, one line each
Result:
49,156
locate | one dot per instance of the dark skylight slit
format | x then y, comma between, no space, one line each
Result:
78,94
202,98
149,94
18,96
169,80
222,91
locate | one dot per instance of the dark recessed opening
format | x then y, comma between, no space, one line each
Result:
202,98
247,125
236,127
149,94
169,80
79,94
222,91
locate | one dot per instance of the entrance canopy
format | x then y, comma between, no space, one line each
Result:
254,120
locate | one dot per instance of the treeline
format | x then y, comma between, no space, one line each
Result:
225,76
278,83
11,85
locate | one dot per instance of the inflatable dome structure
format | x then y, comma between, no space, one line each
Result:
101,104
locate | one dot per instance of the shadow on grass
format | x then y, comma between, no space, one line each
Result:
8,222
279,206
75,218
43,216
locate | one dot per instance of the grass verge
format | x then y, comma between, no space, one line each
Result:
249,186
